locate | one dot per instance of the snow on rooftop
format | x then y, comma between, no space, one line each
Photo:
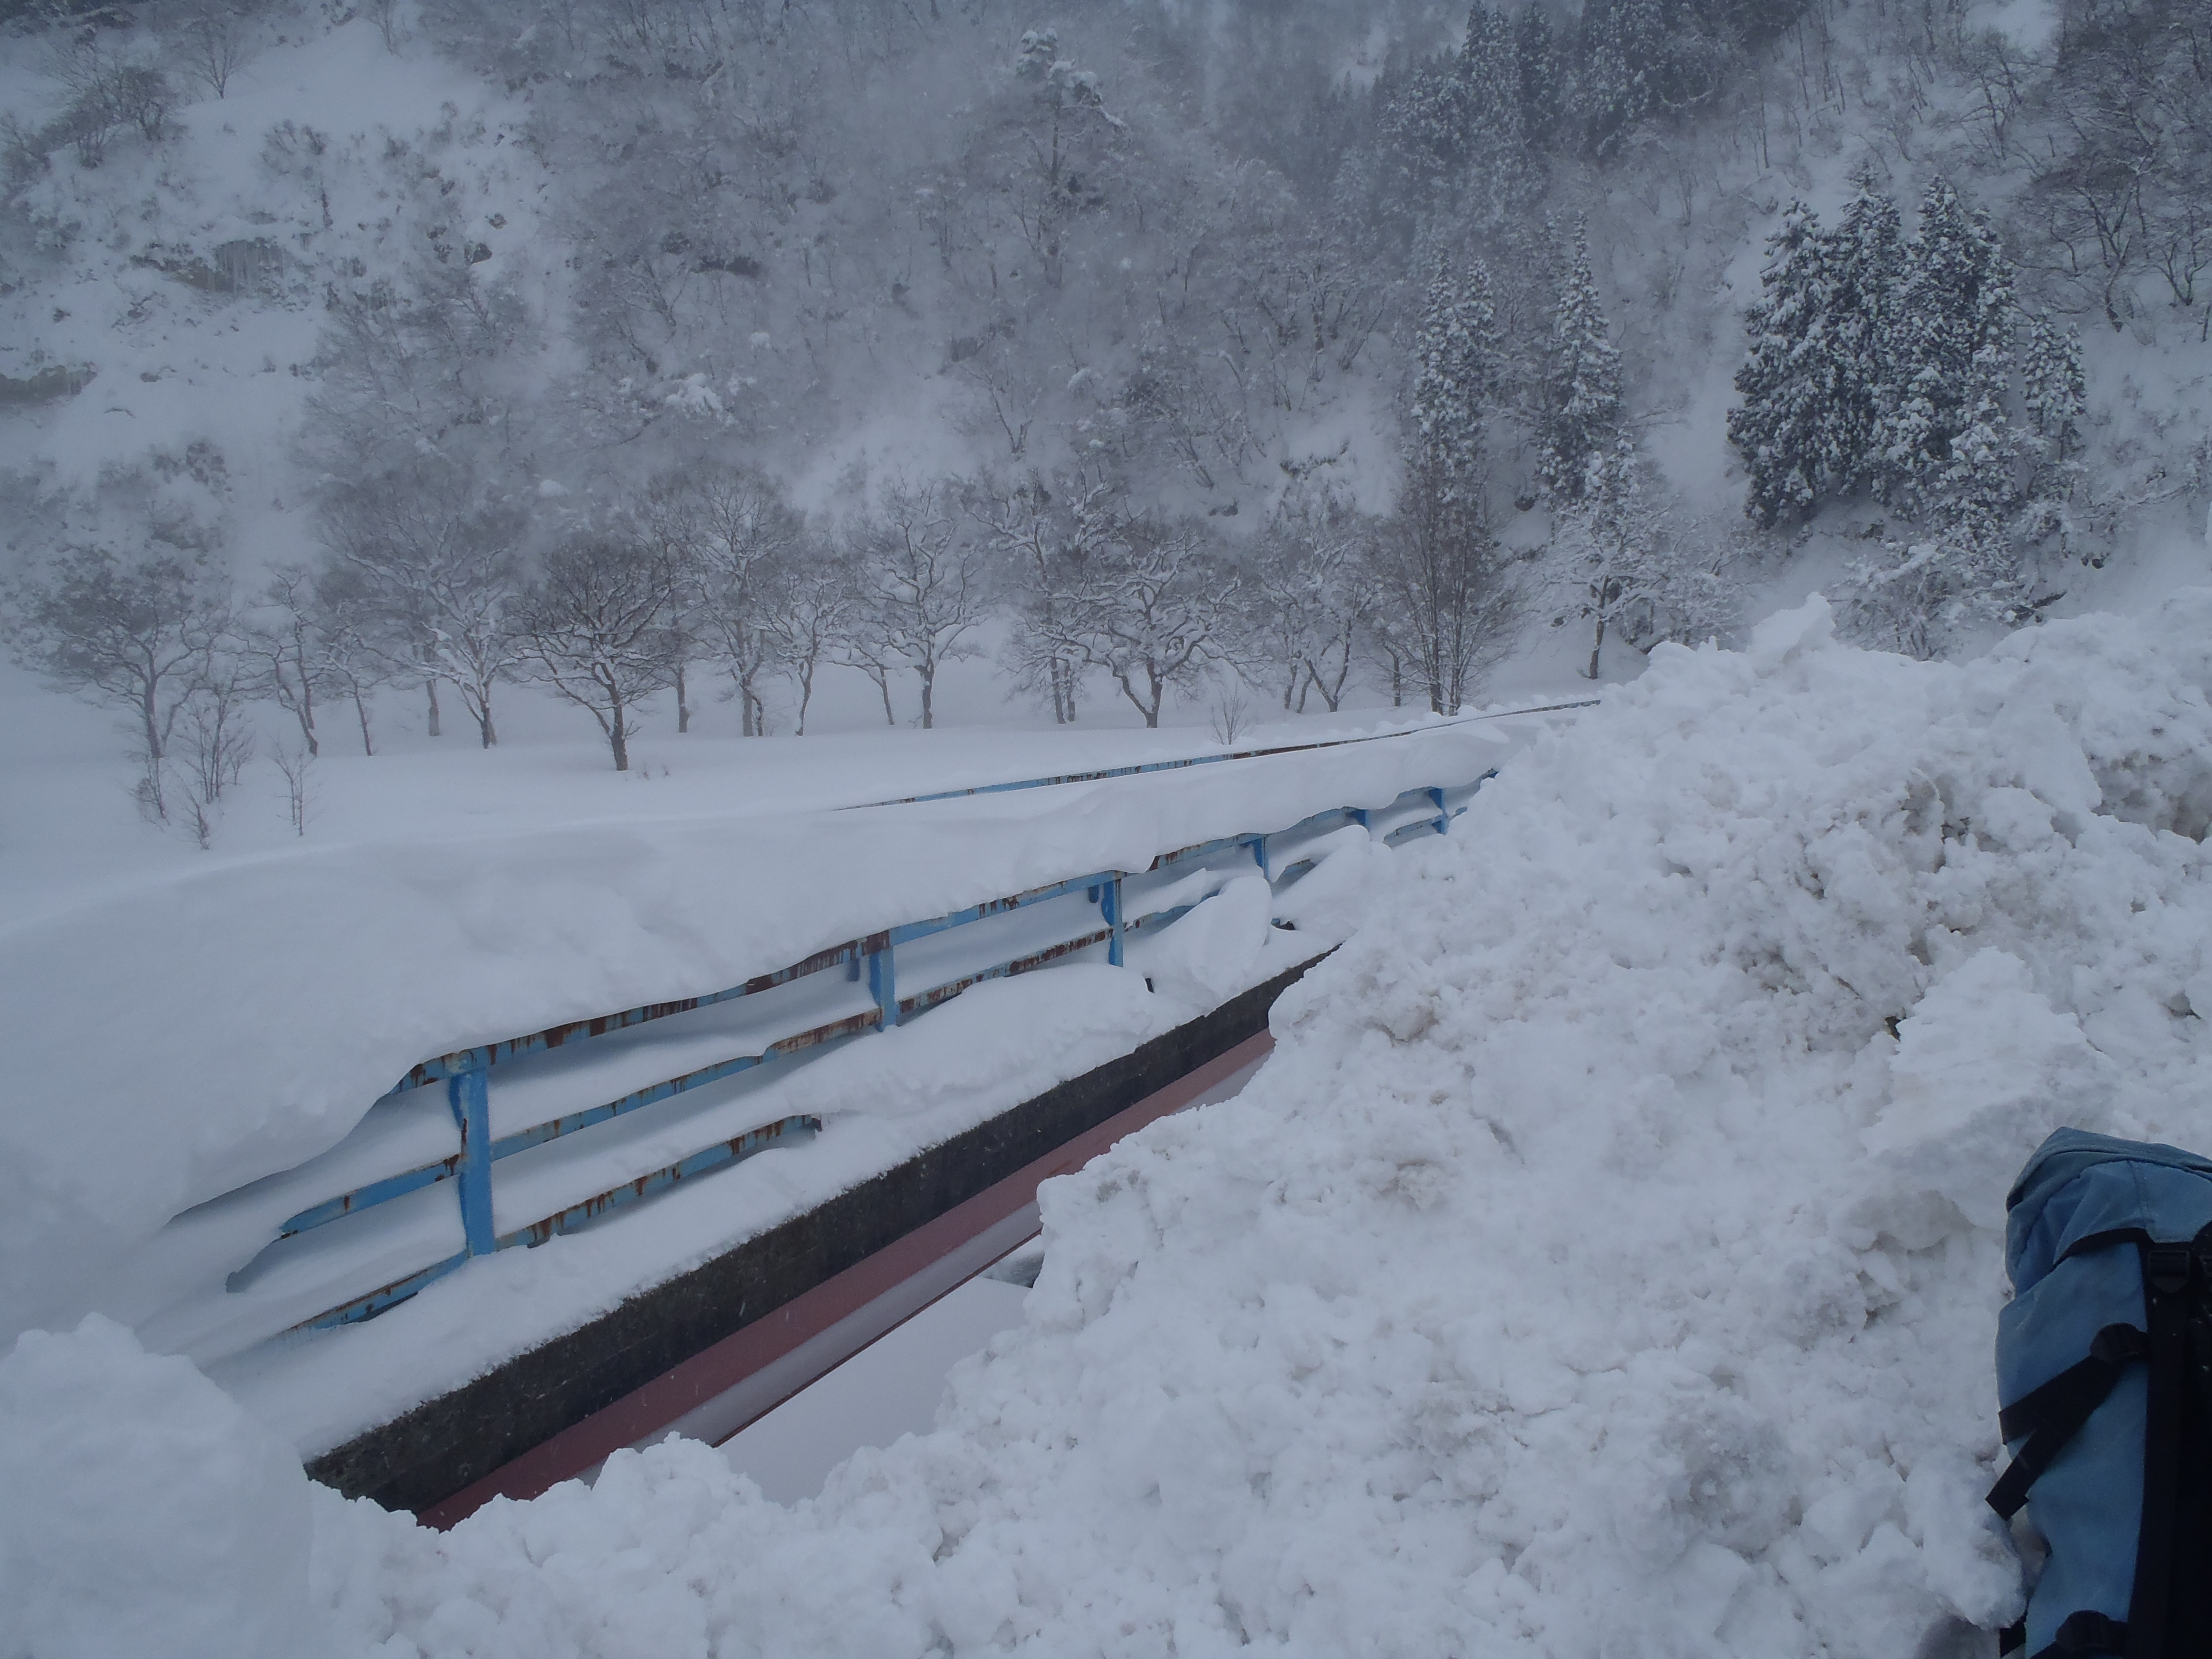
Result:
1606,1261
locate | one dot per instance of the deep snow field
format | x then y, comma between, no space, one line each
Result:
1606,1262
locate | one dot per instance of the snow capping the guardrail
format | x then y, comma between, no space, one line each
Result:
1606,1262
188,1034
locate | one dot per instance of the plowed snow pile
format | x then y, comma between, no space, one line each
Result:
1608,1262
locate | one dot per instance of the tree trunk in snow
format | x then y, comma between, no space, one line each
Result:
431,686
308,710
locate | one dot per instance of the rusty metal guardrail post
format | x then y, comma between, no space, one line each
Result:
468,1092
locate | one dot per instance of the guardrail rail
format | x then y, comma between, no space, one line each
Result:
906,969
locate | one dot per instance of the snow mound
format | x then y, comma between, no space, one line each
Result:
140,1510
1608,1262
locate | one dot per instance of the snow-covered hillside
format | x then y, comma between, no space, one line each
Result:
519,273
179,289
1607,1260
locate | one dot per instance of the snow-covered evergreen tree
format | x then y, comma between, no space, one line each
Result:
1424,124
2054,395
1581,401
1456,357
1781,428
1537,75
2053,391
1499,185
1857,370
1952,346
1623,47
1946,450
1489,65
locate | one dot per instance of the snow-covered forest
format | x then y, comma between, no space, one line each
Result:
364,365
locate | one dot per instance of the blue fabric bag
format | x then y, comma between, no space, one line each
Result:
2105,1362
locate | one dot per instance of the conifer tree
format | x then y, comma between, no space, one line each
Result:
1857,370
1497,186
1952,346
1623,47
1947,450
1455,374
1490,68
1582,393
2053,391
2055,397
1425,125
1781,428
1536,78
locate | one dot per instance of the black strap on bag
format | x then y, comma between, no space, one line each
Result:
2167,1278
2052,1414
2176,1347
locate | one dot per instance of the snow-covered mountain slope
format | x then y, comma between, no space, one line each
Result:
1607,1260
160,321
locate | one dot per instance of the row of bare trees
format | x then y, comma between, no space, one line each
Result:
714,577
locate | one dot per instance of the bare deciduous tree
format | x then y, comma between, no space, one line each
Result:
443,571
138,635
1154,609
814,609
219,740
730,538
925,587
1306,600
1447,602
109,86
595,629
353,638
1618,565
295,766
1042,536
287,655
213,40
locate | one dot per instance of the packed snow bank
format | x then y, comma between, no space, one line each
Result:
193,1032
1607,1262
141,1512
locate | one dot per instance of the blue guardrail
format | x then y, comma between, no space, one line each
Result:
466,1073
